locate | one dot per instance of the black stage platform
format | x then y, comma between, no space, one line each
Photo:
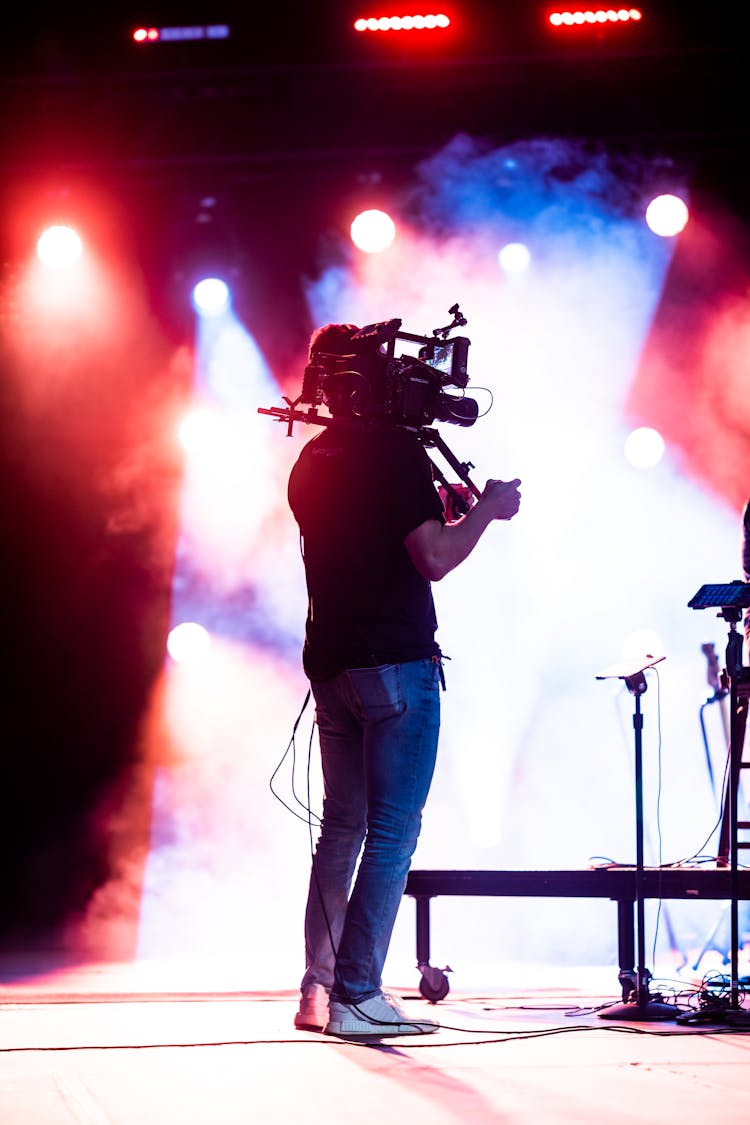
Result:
616,883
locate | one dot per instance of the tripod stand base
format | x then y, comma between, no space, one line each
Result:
635,1011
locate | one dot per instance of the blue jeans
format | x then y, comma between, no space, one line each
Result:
378,730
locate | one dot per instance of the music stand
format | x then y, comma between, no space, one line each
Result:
730,599
644,1007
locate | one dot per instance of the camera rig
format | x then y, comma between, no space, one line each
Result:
361,381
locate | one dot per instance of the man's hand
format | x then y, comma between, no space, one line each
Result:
436,548
501,498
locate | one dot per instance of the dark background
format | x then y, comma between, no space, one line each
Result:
271,135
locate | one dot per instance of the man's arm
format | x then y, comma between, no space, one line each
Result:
436,548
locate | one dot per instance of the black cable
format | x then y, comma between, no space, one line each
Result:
292,747
713,994
323,1041
717,824
309,818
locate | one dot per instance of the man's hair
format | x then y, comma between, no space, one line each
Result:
347,379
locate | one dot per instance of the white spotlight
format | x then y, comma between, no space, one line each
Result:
188,643
373,231
210,296
200,431
58,248
667,215
644,448
514,257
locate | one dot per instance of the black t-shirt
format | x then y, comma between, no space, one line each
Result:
356,493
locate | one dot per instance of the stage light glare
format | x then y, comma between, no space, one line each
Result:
211,296
199,431
514,258
59,248
667,215
189,643
372,231
644,448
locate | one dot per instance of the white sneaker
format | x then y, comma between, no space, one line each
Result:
313,1009
375,1018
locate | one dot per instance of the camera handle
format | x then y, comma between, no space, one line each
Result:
431,439
458,322
289,415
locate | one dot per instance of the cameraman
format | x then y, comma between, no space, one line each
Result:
374,537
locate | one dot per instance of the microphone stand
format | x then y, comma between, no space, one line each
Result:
644,1007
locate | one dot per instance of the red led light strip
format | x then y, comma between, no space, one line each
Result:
437,22
593,16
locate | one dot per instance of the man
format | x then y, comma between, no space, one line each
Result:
374,538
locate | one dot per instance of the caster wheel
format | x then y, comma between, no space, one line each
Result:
434,984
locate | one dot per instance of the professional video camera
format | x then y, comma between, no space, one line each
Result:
357,375
364,379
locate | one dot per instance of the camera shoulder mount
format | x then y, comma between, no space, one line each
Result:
428,436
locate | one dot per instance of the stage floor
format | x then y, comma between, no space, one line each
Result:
155,1044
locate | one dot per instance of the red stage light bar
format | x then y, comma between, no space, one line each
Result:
593,17
437,21
180,34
